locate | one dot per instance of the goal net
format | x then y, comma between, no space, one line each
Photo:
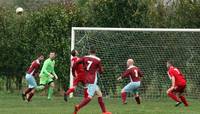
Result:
150,48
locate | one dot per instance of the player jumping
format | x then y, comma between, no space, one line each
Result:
79,75
47,75
134,73
178,85
92,66
31,73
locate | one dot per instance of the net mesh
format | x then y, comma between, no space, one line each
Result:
150,50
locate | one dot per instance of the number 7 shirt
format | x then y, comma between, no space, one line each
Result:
92,66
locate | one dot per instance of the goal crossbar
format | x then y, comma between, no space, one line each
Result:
136,29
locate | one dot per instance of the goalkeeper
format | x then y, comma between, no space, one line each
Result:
48,75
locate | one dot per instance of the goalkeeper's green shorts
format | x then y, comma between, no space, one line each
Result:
44,80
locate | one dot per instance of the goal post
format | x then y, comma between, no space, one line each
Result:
72,47
150,48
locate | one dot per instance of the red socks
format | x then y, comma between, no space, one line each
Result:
183,100
137,99
123,95
174,97
70,90
84,102
30,96
101,104
85,93
28,90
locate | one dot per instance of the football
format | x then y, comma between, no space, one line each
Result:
19,10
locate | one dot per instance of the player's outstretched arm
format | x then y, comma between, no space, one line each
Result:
56,77
54,74
173,85
119,78
125,74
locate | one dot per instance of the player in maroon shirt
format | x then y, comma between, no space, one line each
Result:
31,73
92,66
134,73
79,75
178,85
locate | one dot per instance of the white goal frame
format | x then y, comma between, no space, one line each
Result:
121,29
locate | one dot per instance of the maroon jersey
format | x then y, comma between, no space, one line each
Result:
33,69
92,66
79,69
179,77
134,73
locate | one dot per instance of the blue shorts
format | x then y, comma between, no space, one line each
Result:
31,81
132,87
91,89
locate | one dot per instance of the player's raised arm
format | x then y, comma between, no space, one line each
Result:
74,54
75,65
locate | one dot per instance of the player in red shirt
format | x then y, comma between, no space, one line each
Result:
79,75
178,85
31,73
134,73
92,66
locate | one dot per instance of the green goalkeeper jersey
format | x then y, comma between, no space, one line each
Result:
48,68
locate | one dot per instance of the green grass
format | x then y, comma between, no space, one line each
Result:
12,104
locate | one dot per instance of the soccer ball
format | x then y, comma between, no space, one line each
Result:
19,10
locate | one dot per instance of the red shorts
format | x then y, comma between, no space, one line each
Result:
79,78
180,89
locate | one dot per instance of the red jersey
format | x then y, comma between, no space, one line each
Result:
134,73
79,71
179,77
33,69
92,66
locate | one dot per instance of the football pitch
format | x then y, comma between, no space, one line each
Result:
12,104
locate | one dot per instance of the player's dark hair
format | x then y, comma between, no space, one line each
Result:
73,52
40,54
53,52
92,50
170,62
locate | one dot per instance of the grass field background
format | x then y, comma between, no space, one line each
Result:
12,104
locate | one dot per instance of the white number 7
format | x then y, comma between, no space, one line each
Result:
89,64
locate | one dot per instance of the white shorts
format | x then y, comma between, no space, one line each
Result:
132,87
31,81
92,89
